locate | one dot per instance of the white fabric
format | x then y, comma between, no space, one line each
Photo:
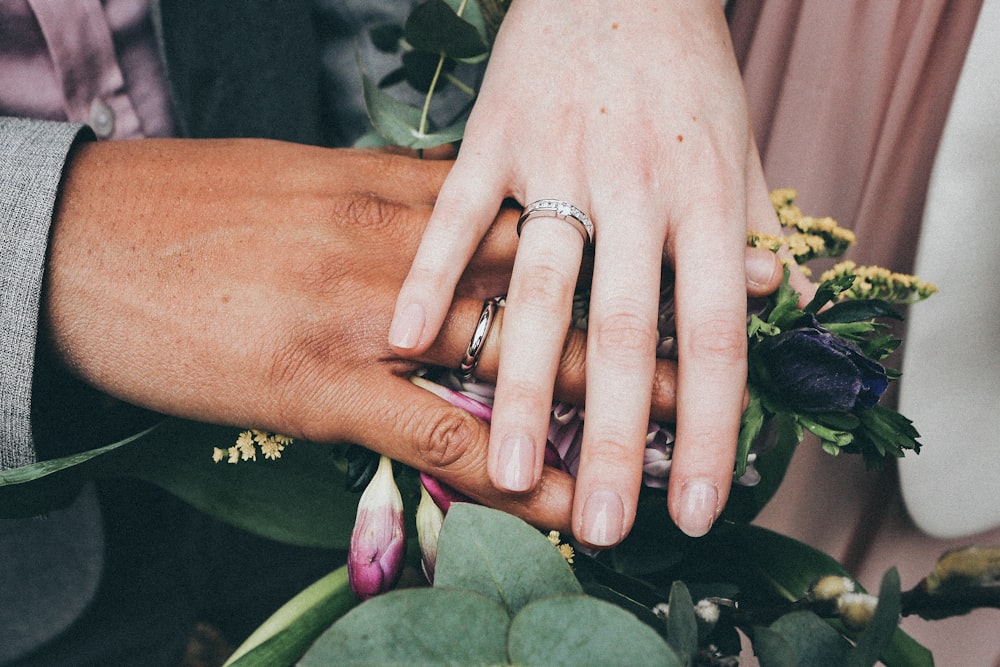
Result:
951,381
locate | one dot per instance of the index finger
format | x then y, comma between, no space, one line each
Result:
450,444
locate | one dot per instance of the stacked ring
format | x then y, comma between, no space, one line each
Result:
471,359
561,210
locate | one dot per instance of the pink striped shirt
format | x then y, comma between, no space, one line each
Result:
86,61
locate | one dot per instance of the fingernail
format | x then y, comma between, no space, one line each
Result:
698,507
760,268
517,462
407,325
603,519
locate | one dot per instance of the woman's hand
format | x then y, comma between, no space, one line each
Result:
635,113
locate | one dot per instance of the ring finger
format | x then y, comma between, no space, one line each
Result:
538,312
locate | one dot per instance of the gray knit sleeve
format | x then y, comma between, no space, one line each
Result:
32,155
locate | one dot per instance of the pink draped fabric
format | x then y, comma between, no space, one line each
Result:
849,99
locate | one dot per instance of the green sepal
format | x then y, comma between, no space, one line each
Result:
828,291
857,310
751,424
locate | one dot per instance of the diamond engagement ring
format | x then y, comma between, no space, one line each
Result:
563,210
471,359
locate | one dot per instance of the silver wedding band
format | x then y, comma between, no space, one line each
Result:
471,359
560,210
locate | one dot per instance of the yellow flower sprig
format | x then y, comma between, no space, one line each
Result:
271,445
810,238
875,282
823,237
565,549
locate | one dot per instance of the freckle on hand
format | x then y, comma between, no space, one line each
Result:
680,138
614,26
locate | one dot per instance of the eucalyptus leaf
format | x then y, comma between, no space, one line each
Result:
788,567
774,649
399,124
879,632
575,630
682,625
434,27
417,626
386,37
370,139
801,638
499,556
472,13
285,636
420,69
397,75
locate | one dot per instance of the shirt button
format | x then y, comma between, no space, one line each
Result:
102,119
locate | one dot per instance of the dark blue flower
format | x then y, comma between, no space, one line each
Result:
812,370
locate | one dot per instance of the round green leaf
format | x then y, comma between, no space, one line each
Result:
682,624
422,626
804,637
436,28
878,635
399,124
499,556
575,630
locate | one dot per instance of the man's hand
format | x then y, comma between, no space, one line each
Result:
251,283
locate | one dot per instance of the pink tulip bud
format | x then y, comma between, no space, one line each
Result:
378,543
442,494
457,399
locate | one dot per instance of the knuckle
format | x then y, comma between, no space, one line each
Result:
431,278
526,390
545,287
448,438
624,332
715,339
368,212
615,450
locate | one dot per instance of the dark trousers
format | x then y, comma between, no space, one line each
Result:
169,568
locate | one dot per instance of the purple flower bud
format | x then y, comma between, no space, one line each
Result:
429,521
442,494
378,543
459,400
657,457
812,370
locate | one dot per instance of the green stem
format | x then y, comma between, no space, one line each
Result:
461,85
425,112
